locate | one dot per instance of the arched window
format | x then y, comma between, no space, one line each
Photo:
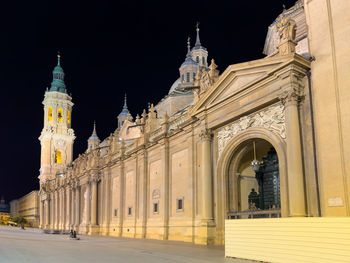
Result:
188,76
203,61
194,76
68,117
58,157
59,115
197,59
50,114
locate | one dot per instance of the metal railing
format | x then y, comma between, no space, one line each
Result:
270,213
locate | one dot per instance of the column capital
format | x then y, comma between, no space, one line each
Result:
206,134
291,96
94,179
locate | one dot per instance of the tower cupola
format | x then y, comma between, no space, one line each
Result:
57,83
199,53
188,68
93,141
124,115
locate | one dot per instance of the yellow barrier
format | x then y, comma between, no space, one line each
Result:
297,240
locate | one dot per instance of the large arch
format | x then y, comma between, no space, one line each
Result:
234,149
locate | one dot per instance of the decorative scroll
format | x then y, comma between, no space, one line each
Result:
272,119
60,144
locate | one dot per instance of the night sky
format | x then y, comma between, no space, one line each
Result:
108,48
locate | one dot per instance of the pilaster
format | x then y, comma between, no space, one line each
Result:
290,98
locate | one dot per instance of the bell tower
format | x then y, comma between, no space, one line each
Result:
57,136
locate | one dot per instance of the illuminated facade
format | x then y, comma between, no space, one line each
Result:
27,207
248,142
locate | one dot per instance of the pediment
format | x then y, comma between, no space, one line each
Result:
237,78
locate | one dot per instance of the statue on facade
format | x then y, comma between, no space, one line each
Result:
286,29
205,79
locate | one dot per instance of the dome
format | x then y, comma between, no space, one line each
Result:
175,85
188,61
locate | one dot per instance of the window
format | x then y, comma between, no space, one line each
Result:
129,211
194,76
197,59
180,204
155,208
68,117
116,212
182,77
59,115
203,60
58,157
50,114
188,77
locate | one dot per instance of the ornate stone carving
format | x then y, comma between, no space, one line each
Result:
205,79
206,134
292,95
272,119
71,132
60,144
155,194
286,29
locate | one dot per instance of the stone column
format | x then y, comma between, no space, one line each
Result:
295,174
77,207
86,202
72,215
63,213
58,222
165,187
47,212
52,210
206,176
94,202
68,207
41,212
57,210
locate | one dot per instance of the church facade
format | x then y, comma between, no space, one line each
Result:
249,142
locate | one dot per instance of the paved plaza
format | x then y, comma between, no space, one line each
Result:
31,245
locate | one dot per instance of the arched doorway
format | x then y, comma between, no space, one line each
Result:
253,183
236,154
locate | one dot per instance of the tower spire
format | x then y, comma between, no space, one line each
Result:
93,140
198,41
94,133
125,107
58,58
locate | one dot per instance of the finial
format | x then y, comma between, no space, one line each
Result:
213,65
94,133
125,105
284,7
58,58
188,46
198,42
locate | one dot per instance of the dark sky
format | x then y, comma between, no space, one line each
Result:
108,48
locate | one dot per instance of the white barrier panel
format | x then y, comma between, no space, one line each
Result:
297,240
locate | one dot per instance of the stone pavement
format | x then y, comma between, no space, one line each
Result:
31,245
